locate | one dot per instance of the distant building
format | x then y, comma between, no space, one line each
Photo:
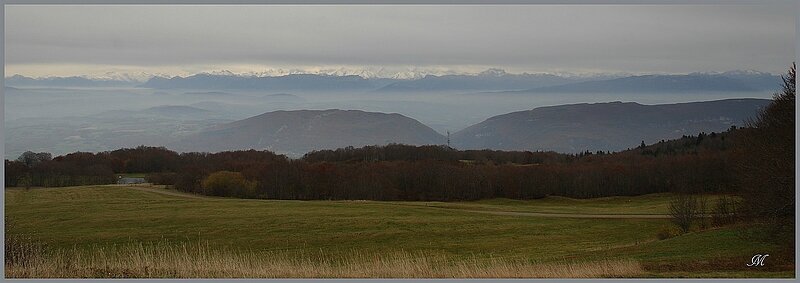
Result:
128,181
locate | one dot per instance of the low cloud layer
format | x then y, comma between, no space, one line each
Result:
51,40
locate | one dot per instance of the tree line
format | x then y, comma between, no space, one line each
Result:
400,172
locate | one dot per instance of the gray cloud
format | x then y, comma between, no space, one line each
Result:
536,37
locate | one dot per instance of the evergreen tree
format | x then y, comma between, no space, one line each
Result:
767,165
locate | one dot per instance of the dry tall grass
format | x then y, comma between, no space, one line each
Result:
199,261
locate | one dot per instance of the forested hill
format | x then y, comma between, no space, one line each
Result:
610,126
299,131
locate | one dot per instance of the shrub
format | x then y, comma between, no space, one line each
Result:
724,212
227,183
702,212
665,233
189,179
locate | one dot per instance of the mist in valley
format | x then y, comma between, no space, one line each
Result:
93,119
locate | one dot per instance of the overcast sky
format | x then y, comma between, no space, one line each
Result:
76,40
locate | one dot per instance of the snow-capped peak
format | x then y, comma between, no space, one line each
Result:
748,72
493,72
219,73
126,77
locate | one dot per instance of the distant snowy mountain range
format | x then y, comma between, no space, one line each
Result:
125,77
383,80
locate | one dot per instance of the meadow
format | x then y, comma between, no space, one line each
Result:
150,231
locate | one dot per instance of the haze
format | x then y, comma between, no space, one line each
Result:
178,40
94,78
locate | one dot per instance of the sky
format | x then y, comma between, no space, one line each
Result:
45,40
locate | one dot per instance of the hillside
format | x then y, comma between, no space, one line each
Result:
603,126
297,132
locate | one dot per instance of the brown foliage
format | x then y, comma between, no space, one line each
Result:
226,183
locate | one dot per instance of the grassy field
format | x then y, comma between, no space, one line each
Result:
648,204
114,218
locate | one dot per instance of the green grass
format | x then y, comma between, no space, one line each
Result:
107,216
647,204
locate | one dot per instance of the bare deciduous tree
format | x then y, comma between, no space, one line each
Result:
684,209
724,212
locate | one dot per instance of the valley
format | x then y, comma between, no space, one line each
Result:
53,116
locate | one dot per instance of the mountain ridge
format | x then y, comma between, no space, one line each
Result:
296,132
695,82
492,79
609,126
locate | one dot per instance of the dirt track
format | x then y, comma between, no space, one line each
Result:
564,215
505,213
168,192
